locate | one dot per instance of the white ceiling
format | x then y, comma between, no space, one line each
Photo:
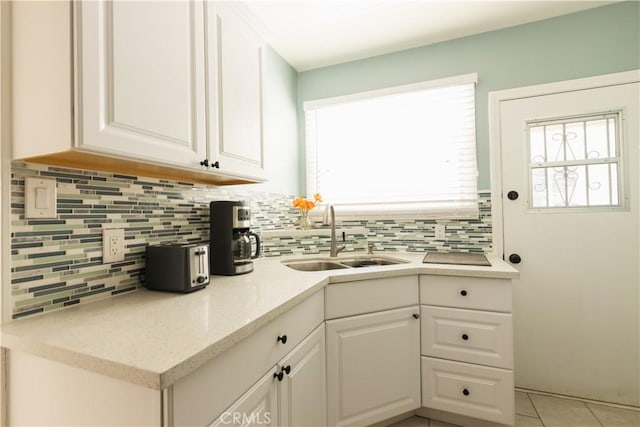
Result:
315,33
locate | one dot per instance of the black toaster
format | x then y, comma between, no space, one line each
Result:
177,267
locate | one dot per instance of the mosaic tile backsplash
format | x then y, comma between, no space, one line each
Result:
57,263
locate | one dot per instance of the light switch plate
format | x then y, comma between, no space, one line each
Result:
40,197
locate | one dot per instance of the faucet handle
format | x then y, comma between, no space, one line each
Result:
325,217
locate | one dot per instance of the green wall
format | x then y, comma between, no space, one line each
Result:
596,41
280,126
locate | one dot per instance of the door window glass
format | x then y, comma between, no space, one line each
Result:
574,162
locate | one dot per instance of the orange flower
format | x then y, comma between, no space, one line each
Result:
305,204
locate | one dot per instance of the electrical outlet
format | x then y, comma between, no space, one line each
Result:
441,232
112,245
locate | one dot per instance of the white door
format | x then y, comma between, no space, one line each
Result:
373,365
572,158
141,80
235,101
303,392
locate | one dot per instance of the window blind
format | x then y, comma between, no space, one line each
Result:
403,152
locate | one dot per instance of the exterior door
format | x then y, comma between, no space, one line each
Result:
571,226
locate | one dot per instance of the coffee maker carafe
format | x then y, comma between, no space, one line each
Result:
230,247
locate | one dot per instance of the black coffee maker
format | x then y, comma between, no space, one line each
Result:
230,247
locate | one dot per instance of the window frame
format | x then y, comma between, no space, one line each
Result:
351,211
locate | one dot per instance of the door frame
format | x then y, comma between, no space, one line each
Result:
495,141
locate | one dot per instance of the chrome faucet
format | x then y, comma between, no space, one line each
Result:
330,218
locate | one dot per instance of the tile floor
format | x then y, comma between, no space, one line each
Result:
537,410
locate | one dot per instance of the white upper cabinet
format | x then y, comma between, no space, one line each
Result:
234,74
142,80
152,88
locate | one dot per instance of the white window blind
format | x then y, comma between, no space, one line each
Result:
403,152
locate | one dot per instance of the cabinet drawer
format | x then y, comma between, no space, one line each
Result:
471,390
466,292
202,395
367,296
467,335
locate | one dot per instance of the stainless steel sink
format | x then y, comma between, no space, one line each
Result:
315,265
337,263
357,263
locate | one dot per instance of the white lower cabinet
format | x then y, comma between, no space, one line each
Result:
355,354
373,366
293,393
44,392
258,406
467,349
467,389
472,336
206,393
303,391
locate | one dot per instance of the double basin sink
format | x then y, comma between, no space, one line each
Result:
339,263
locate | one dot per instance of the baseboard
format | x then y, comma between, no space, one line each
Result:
456,419
580,399
394,420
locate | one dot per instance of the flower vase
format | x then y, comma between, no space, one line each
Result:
305,223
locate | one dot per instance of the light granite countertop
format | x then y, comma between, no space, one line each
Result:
155,338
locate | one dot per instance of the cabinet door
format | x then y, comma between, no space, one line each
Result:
235,94
257,407
303,393
373,364
141,80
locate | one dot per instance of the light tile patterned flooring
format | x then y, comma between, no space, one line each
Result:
537,410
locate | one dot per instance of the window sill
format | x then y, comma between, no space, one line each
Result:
323,232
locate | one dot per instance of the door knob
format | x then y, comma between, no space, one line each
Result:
416,316
278,375
205,163
286,369
282,339
515,259
512,195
